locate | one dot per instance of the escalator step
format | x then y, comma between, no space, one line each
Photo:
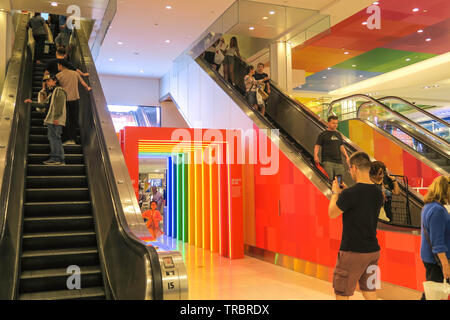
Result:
56,194
58,240
41,139
42,130
67,170
37,115
56,279
43,224
69,158
45,148
88,293
60,209
56,181
59,258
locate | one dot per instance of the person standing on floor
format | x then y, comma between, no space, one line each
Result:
69,80
435,245
359,252
37,24
332,145
55,119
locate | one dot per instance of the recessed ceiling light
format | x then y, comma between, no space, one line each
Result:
272,12
141,71
167,41
364,23
426,87
428,39
54,4
120,43
407,59
168,7
361,76
324,77
415,9
346,52
419,31
436,86
111,59
251,28
265,18
353,65
376,2
329,68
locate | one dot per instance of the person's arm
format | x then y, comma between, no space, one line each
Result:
316,154
81,73
344,152
334,210
37,104
396,189
83,83
268,85
445,264
437,228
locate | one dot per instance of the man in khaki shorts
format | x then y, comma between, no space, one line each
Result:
359,252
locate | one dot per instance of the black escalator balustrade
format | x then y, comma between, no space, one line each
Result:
58,226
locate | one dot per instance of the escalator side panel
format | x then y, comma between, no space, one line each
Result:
12,185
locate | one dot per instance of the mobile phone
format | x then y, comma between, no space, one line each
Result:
339,178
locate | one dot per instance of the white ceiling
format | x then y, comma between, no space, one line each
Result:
152,165
134,26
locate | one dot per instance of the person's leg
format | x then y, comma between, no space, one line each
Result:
40,42
370,278
226,66
76,116
369,295
51,135
69,122
263,109
328,167
59,149
344,275
232,65
388,208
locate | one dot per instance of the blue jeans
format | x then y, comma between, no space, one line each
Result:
56,147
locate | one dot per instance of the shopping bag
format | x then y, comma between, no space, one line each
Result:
383,215
436,290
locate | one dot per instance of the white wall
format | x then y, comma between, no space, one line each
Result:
202,102
6,43
130,90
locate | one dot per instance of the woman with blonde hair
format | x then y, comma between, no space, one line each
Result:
435,246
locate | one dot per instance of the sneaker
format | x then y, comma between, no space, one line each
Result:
69,142
51,162
41,110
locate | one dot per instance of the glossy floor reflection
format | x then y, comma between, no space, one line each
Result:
212,277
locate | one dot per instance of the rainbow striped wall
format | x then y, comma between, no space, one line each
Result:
204,188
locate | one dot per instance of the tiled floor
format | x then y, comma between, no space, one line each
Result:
213,277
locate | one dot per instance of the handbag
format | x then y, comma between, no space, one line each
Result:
263,94
219,57
436,290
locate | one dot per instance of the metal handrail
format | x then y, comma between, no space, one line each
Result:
428,114
412,123
383,106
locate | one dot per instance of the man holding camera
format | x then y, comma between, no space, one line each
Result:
359,252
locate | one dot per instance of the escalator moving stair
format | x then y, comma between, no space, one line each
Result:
58,228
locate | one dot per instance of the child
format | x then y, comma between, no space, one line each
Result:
153,217
55,119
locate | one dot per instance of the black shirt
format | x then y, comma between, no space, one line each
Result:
52,66
331,142
260,76
361,205
388,183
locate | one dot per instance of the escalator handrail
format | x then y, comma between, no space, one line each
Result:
428,114
124,229
9,114
411,123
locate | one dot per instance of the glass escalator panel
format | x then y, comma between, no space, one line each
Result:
419,116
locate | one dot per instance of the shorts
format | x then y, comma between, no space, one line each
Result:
251,98
354,267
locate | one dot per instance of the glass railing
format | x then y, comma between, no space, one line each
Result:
422,117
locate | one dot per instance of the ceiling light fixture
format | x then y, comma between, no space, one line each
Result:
419,31
407,59
111,59
141,71
428,39
346,52
167,41
168,7
376,2
265,18
324,77
353,65
54,4
272,12
120,43
364,23
329,68
415,9
251,28
361,76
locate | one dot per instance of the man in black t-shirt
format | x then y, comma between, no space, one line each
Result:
359,252
261,75
331,143
51,67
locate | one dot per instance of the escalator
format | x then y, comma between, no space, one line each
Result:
72,231
428,147
299,128
422,117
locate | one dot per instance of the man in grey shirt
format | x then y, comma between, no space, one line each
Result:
37,24
69,80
